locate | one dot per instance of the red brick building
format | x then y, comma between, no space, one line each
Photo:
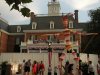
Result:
42,30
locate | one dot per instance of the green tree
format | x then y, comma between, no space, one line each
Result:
94,27
95,20
15,4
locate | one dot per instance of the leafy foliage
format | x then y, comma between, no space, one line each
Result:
93,27
25,11
26,1
95,19
16,3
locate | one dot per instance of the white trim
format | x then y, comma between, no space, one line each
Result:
41,31
16,33
4,31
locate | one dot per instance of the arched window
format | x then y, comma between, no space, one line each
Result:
34,25
18,28
51,25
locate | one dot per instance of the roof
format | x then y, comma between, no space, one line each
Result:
3,25
83,26
43,23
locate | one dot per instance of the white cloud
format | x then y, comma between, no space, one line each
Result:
15,17
81,4
40,7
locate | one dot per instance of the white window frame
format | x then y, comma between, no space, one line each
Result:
51,25
18,28
70,24
34,25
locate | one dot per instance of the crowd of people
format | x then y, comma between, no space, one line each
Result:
37,68
83,68
88,68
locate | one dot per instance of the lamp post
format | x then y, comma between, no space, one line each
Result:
49,53
49,58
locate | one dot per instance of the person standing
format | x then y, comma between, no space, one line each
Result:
23,67
34,68
42,68
98,67
70,69
90,68
55,70
49,70
27,67
66,68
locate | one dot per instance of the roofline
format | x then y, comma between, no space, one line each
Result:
50,30
16,33
39,31
3,20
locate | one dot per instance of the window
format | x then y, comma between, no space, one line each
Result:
51,25
51,38
72,37
70,24
18,28
34,24
34,37
18,41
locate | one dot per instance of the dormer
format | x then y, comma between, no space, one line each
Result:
51,24
18,28
70,24
34,25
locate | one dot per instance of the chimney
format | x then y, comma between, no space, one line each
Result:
76,16
32,16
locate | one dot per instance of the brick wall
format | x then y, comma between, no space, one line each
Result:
3,46
11,43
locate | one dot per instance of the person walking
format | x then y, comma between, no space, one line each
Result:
66,68
23,67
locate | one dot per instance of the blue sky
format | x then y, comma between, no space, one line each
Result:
40,7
